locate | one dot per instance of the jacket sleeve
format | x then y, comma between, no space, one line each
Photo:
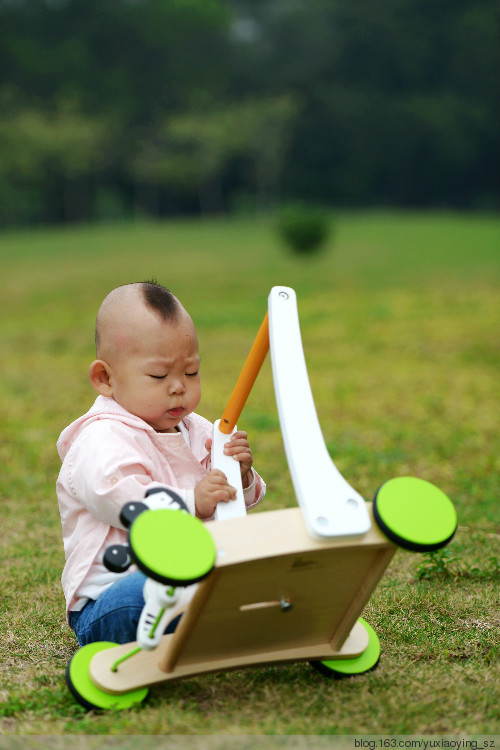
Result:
106,469
254,493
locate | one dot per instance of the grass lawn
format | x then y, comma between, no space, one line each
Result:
400,321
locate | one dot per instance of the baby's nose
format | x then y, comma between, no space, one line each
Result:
177,386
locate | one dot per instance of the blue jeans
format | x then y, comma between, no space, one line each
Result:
115,615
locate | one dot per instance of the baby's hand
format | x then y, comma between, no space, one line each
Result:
211,490
239,448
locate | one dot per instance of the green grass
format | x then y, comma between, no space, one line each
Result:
400,322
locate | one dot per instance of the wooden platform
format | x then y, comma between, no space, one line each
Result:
275,595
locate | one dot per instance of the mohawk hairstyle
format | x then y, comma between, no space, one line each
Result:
155,297
160,299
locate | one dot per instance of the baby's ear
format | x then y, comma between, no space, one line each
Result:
99,375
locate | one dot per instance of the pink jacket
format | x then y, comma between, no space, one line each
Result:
110,457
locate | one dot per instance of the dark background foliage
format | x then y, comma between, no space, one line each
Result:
115,108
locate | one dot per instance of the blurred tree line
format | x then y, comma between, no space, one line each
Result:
112,108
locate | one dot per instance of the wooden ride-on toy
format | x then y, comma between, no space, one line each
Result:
272,587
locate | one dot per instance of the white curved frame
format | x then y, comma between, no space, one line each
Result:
330,506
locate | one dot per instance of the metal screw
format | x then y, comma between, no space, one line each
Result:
283,295
322,521
352,503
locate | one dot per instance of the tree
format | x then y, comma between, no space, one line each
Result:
335,101
60,151
189,153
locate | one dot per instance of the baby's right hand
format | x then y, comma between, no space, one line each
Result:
211,490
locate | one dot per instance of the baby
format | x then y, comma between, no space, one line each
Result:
141,433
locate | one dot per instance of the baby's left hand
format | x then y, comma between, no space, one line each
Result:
239,448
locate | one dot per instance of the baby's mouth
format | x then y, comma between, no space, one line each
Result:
176,412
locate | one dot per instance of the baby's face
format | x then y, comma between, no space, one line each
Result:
156,375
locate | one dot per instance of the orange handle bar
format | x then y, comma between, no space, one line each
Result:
247,378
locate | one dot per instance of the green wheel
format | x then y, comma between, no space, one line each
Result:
84,690
414,514
365,662
172,547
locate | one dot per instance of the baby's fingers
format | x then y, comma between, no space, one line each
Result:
239,435
224,494
217,476
235,446
219,486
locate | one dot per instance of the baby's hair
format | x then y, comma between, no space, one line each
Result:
156,297
160,299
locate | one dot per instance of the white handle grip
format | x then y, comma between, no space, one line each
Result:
231,468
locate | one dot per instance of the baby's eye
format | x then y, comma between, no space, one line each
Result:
192,374
158,377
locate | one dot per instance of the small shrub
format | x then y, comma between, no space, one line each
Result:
442,564
304,229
